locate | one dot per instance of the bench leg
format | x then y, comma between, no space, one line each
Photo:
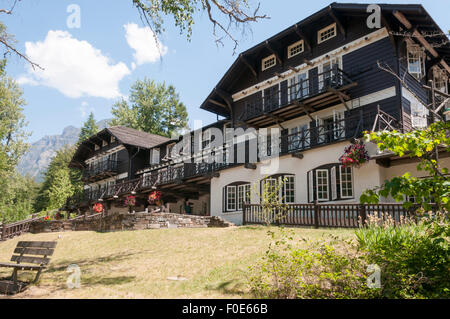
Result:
14,275
37,276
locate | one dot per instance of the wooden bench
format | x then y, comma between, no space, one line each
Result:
28,256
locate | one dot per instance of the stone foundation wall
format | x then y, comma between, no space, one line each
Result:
137,221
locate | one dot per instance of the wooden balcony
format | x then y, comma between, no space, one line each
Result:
308,95
101,170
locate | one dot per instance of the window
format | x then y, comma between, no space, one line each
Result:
333,183
322,184
154,156
104,143
206,139
295,49
419,115
346,182
289,190
440,79
299,138
243,195
169,150
416,61
328,73
269,62
279,188
235,195
113,139
97,147
326,33
298,86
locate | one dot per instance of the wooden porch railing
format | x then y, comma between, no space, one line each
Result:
8,231
322,215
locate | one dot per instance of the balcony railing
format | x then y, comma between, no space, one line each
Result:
302,90
101,169
335,131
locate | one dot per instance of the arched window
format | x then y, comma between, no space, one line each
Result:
234,195
282,184
330,182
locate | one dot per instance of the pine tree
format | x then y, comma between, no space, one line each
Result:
89,128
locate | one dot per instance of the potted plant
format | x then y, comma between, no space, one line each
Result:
354,155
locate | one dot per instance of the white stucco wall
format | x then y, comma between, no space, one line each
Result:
367,176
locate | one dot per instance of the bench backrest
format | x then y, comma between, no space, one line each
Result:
34,252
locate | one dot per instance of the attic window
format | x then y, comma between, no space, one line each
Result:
269,62
113,139
295,49
104,143
97,147
326,33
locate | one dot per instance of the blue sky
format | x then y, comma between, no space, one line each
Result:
107,65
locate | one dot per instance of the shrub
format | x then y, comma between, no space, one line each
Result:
329,268
413,255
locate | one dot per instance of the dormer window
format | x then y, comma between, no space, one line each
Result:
416,61
269,62
326,33
113,139
104,143
295,49
97,147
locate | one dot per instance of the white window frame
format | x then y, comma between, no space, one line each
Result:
294,46
231,202
417,53
206,139
243,190
153,153
334,183
284,189
331,61
270,57
341,173
317,185
294,82
331,27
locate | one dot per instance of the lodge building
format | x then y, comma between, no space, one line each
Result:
320,83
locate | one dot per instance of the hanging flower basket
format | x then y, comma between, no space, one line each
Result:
130,201
154,197
47,218
354,155
98,207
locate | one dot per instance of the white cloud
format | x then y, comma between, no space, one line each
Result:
85,109
147,47
73,67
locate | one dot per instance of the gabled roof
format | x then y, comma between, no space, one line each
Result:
137,138
216,101
124,135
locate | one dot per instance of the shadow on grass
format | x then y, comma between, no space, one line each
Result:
106,281
63,264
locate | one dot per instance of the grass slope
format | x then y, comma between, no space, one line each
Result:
136,264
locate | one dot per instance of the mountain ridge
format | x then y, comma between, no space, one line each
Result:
38,157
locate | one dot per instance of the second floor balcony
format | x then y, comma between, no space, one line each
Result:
284,102
100,170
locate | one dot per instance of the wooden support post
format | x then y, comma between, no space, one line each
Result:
3,231
316,214
363,214
244,210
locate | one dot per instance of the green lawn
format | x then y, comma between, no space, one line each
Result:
136,264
